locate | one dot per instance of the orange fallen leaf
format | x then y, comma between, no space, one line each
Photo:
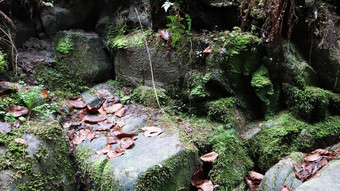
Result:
151,131
90,136
44,93
21,141
255,177
77,103
120,112
105,125
209,157
126,142
113,154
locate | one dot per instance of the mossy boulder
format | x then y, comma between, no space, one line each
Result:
287,134
164,162
80,61
44,163
233,161
282,173
146,96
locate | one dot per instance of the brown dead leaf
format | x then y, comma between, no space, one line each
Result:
112,108
16,123
116,130
90,135
120,112
255,177
313,157
104,150
112,140
78,103
321,151
121,123
207,50
103,94
94,118
284,188
44,93
78,139
198,177
250,184
5,127
113,154
126,142
17,111
21,141
123,135
209,157
101,111
105,125
151,131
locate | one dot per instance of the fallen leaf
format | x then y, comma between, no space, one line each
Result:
103,94
321,151
104,125
164,34
77,103
44,93
160,165
151,131
250,184
21,141
90,136
198,177
113,154
209,157
94,118
207,185
78,139
112,139
123,135
120,123
313,157
126,142
16,123
104,150
120,112
255,177
102,111
284,188
5,127
17,111
207,50
112,108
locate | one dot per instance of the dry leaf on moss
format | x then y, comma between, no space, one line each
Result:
209,157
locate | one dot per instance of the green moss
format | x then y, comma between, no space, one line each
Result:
289,135
146,96
126,41
233,161
50,168
310,103
64,46
222,110
197,90
175,173
262,84
3,62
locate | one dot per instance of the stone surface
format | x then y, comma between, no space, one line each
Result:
131,170
329,179
88,58
91,98
280,174
6,181
132,66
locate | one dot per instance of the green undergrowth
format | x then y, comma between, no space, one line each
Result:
146,96
222,110
233,161
288,134
50,167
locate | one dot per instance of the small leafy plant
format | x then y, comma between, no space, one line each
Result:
65,45
3,62
30,97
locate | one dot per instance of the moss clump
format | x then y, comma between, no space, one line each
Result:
125,41
175,173
289,135
310,103
197,90
262,84
145,95
233,161
3,62
222,110
64,45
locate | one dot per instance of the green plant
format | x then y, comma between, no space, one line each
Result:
3,62
239,41
31,96
176,28
65,45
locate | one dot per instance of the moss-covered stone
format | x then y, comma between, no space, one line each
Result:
310,103
289,134
146,96
233,161
44,166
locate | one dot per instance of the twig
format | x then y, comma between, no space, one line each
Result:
149,56
13,49
7,19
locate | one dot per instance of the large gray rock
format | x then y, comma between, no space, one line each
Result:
164,162
329,179
132,65
282,173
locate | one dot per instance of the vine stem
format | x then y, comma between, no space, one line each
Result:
149,56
